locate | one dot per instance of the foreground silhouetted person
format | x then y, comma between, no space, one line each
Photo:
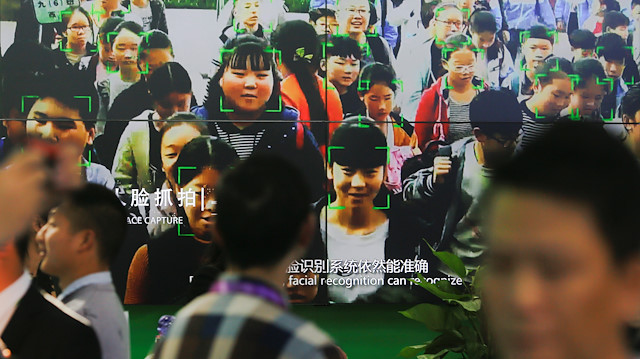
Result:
245,314
563,265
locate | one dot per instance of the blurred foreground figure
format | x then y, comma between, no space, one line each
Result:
562,274
245,314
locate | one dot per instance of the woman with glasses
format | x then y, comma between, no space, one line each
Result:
443,111
76,37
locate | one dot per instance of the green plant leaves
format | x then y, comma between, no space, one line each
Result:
452,261
413,350
437,291
472,305
436,318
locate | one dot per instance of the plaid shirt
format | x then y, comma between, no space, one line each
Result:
235,325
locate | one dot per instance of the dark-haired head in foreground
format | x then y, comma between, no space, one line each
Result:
563,269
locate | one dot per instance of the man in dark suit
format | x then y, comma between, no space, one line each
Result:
34,325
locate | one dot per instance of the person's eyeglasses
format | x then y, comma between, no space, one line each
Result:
358,11
505,142
79,28
456,24
461,69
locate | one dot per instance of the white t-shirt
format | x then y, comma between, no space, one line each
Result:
116,86
348,247
143,13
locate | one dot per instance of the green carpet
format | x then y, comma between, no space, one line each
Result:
362,331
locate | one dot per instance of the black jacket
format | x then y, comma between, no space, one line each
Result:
284,135
41,329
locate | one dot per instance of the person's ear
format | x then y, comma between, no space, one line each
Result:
330,172
86,240
445,65
361,96
323,65
628,124
91,136
220,82
479,135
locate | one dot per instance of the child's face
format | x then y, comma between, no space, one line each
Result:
588,99
326,25
78,30
247,90
635,13
342,71
483,40
125,48
613,68
582,54
535,51
67,128
461,66
173,141
201,216
172,103
153,59
623,31
379,101
554,97
356,187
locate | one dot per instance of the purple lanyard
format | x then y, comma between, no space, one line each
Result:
249,287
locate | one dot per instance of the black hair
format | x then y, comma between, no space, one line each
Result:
184,118
22,245
73,89
97,208
108,28
482,21
496,112
203,152
589,69
553,68
376,73
300,51
612,5
317,13
455,42
540,32
612,47
427,12
582,39
358,143
24,65
235,55
168,78
131,26
613,19
572,170
342,46
259,221
630,104
154,39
